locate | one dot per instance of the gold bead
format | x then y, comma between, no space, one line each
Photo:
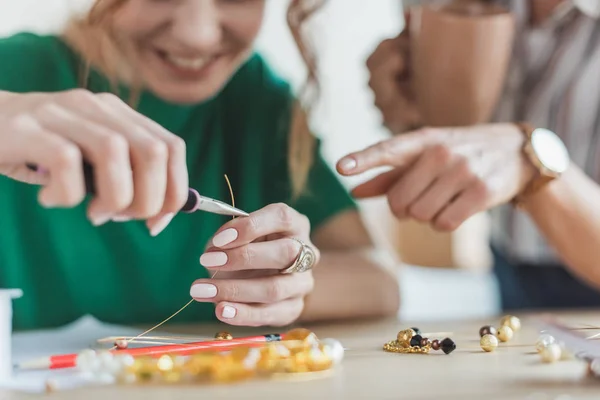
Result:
511,321
488,343
223,336
551,353
505,333
404,337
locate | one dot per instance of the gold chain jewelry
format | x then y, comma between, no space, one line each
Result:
410,341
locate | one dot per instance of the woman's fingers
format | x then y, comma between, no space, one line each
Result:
64,183
417,179
275,254
278,314
272,219
105,150
264,290
177,173
442,191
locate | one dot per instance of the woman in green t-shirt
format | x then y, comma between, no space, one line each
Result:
190,102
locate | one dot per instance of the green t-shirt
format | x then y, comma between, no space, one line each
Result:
117,272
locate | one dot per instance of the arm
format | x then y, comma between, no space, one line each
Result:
349,280
567,213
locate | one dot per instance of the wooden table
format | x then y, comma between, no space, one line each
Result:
370,373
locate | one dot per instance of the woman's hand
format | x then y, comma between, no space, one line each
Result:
391,83
140,168
442,176
249,254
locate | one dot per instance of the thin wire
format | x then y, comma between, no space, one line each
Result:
192,300
233,205
156,326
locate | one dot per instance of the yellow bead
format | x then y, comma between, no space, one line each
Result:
223,336
305,336
198,365
272,358
318,360
551,353
404,337
512,322
488,343
505,333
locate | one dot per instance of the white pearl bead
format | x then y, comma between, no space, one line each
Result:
543,341
87,361
334,349
551,353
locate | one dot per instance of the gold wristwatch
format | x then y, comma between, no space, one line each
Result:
547,153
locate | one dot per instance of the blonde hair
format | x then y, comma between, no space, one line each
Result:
103,48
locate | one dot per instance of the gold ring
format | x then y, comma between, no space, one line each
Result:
304,262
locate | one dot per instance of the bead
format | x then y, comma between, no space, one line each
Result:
165,363
304,335
488,342
223,336
51,386
87,361
318,360
121,344
505,333
435,344
415,341
447,345
551,353
511,321
404,337
424,342
334,350
487,330
543,341
594,367
417,331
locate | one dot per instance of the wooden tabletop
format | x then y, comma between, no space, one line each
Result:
514,371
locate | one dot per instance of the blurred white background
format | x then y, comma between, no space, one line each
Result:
347,31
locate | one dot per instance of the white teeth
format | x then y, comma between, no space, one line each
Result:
189,63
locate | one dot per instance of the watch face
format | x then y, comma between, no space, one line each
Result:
550,150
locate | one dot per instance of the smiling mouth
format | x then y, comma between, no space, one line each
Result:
186,64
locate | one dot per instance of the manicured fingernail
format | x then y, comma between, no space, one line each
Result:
213,259
228,312
161,224
226,237
121,218
100,219
348,164
203,291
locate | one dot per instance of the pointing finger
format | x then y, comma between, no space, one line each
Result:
396,152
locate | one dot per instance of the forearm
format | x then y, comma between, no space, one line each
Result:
349,284
567,212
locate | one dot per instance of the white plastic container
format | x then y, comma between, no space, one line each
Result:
6,319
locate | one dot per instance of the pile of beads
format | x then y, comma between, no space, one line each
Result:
410,341
300,352
491,336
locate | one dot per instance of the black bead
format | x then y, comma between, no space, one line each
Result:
447,345
416,341
487,330
417,330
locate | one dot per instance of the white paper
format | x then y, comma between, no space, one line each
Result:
72,338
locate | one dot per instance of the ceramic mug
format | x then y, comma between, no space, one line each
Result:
460,54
